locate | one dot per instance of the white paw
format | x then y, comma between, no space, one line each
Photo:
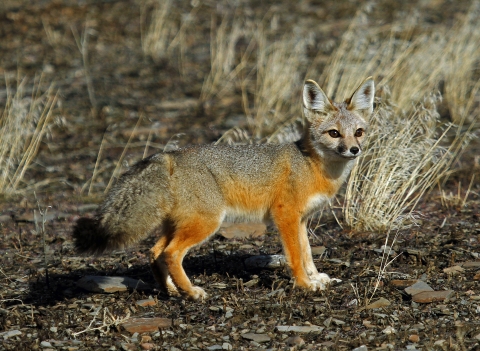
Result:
318,285
321,277
171,288
197,293
321,280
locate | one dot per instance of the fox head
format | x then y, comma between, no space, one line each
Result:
337,130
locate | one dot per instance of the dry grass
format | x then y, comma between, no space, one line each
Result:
82,45
408,65
278,81
462,81
163,33
456,200
159,33
270,79
268,73
119,164
23,124
224,67
403,160
103,326
409,149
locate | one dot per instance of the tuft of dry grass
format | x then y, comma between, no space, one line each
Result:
456,200
270,79
23,124
82,45
103,326
408,65
276,97
163,33
223,54
403,160
462,76
159,33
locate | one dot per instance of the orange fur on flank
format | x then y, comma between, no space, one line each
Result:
190,191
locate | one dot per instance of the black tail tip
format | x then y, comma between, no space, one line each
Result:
87,236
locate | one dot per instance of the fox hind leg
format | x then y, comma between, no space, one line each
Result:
188,234
158,266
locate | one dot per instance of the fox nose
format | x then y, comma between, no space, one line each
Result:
354,150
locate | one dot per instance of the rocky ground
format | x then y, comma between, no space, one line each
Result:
427,296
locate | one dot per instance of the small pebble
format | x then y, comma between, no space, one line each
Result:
129,347
389,330
146,338
45,344
295,341
414,338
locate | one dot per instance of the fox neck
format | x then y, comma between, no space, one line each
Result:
336,169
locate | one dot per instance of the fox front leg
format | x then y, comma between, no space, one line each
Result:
319,280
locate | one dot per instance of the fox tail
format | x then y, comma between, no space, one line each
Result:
135,206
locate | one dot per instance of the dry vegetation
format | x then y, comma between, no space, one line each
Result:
410,147
133,74
23,124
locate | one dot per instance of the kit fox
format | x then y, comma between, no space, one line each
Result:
189,192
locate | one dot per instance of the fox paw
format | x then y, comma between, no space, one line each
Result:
197,293
321,280
320,277
318,285
171,288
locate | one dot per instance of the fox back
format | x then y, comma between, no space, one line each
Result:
190,191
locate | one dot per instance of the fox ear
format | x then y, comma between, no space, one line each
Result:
314,99
362,98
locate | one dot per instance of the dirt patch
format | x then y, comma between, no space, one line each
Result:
244,300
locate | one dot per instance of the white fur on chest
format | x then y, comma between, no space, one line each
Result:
316,202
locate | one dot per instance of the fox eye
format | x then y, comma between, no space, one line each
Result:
334,133
359,133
